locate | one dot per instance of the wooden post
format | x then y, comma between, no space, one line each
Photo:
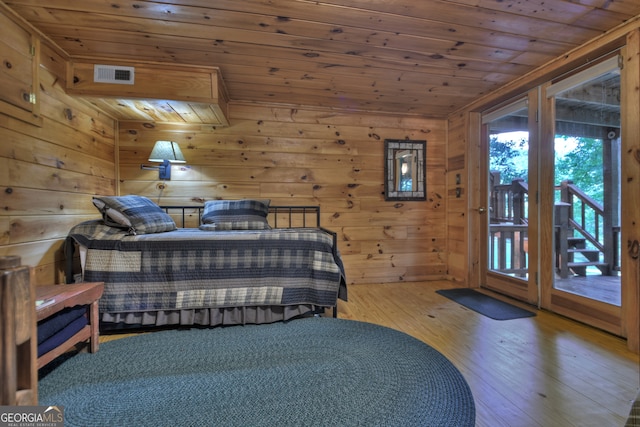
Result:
18,336
518,201
610,152
496,206
562,234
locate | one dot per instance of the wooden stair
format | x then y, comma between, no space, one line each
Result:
577,246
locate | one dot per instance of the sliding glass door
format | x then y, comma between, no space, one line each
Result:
585,115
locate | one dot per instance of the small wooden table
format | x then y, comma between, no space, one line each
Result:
59,297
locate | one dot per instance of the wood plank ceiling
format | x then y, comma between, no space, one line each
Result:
422,57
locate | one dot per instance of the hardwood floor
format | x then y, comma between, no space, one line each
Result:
539,371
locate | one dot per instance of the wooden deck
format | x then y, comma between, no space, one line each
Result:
601,288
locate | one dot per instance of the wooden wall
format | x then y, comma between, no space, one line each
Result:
315,157
49,172
457,196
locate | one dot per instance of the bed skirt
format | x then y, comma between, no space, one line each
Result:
206,316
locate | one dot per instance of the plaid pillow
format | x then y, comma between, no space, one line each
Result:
136,214
237,214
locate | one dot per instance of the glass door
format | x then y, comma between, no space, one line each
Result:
507,138
586,196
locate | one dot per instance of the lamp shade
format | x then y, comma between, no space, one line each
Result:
166,150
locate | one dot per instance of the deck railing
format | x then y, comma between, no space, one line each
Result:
508,202
590,221
508,229
577,216
508,249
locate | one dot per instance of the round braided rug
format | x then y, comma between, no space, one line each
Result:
314,371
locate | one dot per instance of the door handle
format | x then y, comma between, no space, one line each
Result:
482,210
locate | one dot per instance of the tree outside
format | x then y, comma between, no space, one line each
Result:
577,159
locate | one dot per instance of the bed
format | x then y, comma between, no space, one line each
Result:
234,264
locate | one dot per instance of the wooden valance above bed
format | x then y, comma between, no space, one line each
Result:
137,90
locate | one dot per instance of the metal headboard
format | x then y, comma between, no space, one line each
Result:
293,216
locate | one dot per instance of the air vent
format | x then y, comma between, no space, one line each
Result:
113,74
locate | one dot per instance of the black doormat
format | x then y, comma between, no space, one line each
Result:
484,304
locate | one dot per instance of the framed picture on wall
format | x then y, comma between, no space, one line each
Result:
405,169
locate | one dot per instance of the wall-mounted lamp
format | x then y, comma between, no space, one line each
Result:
165,152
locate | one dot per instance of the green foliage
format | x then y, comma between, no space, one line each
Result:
577,159
582,165
509,158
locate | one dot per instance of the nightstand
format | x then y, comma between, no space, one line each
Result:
55,299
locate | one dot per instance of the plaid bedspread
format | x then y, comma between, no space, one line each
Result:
190,268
